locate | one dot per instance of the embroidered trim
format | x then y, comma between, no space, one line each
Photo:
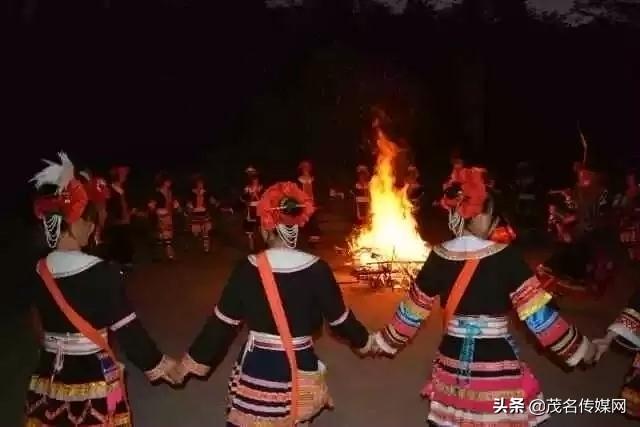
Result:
123,322
340,319
226,319
492,249
194,367
160,370
382,344
71,392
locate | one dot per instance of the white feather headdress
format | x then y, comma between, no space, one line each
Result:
56,174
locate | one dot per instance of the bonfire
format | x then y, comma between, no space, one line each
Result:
389,244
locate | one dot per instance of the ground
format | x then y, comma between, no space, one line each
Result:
173,301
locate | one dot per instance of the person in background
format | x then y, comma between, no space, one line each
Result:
415,192
161,207
199,204
361,195
282,295
578,266
306,182
98,191
250,197
478,282
118,233
81,303
627,206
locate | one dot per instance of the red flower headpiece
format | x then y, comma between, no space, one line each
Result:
466,192
70,199
280,201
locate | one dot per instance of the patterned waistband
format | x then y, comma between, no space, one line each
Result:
274,342
70,344
199,210
478,327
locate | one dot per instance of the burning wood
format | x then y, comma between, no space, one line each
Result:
388,247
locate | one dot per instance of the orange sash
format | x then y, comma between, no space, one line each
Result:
280,318
458,289
78,321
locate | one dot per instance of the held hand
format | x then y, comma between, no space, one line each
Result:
603,344
178,374
161,371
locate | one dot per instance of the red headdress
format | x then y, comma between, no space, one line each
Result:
67,203
284,204
466,192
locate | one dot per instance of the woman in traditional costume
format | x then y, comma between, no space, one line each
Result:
118,223
283,295
625,331
306,182
578,266
98,192
361,194
198,208
162,206
628,207
250,197
477,373
78,380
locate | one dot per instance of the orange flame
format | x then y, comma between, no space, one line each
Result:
392,232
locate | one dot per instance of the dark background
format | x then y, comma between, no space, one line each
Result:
214,86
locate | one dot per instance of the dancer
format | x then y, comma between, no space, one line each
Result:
251,196
198,205
118,222
415,192
625,330
306,182
98,192
361,194
282,295
162,207
628,206
478,281
578,266
78,380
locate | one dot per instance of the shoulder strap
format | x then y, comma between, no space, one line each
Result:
76,320
280,318
458,289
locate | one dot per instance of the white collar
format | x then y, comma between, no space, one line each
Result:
466,244
285,260
70,263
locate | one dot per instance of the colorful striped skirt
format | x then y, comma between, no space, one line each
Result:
477,379
260,384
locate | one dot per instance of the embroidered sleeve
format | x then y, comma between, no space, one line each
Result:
627,324
411,312
553,332
214,339
341,320
414,309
